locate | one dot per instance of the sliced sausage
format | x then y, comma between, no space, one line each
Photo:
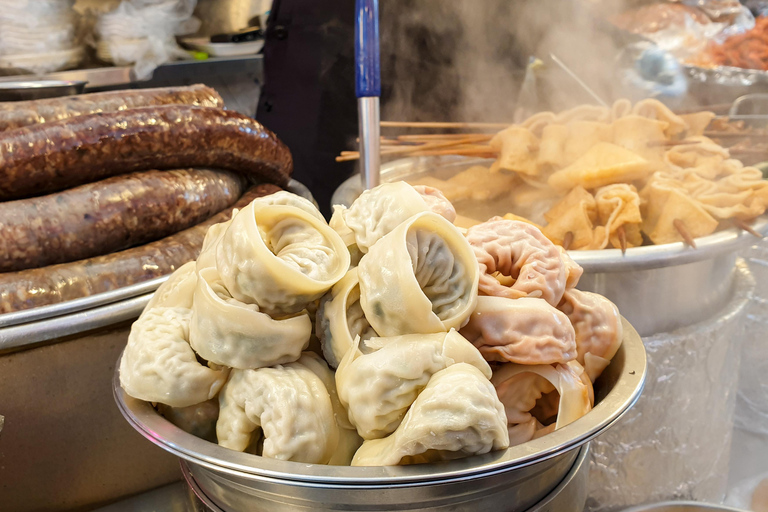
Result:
110,215
59,283
24,113
54,156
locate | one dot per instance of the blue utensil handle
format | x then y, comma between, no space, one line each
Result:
367,67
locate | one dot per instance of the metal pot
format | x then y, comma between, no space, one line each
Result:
658,288
39,89
512,480
682,506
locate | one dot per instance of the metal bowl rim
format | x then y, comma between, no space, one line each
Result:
608,260
619,399
651,507
21,85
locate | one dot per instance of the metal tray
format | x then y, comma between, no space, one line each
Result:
35,315
659,288
682,506
518,477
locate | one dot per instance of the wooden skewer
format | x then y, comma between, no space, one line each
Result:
568,240
410,149
416,124
671,143
622,233
741,224
444,136
680,227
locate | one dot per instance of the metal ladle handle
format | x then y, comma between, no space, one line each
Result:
368,89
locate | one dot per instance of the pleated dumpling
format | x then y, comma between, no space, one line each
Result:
207,256
381,209
158,365
598,328
378,388
285,198
289,404
280,257
524,331
420,278
340,319
228,332
177,291
455,416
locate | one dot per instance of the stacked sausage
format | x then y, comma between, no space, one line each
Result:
104,190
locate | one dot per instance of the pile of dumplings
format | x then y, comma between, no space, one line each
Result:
386,337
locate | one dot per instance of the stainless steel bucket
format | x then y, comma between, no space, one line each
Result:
513,480
658,288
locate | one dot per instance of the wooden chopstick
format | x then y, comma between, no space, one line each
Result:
354,155
416,124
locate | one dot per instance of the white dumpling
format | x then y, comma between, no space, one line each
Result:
378,388
599,332
349,440
177,291
456,415
381,209
340,319
524,331
158,365
280,257
228,332
289,404
286,198
519,386
420,278
207,256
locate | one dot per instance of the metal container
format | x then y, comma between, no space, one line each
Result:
569,495
682,506
659,288
38,89
512,480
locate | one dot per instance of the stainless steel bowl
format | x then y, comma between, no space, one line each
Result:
38,89
512,480
659,288
682,506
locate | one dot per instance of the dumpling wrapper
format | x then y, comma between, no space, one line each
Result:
231,333
452,191
378,388
577,214
207,256
524,331
177,291
664,206
457,415
518,391
158,365
598,328
340,319
280,258
517,250
619,205
285,198
603,164
288,403
380,210
518,149
421,278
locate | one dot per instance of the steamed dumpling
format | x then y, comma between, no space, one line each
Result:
285,198
420,278
598,328
378,388
158,365
177,291
380,210
279,257
455,416
525,331
340,319
207,257
288,403
228,332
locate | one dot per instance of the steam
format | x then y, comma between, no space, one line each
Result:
465,60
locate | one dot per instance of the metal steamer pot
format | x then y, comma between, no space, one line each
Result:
60,426
659,288
513,480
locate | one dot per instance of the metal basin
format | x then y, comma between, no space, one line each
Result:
659,288
512,480
682,506
39,89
